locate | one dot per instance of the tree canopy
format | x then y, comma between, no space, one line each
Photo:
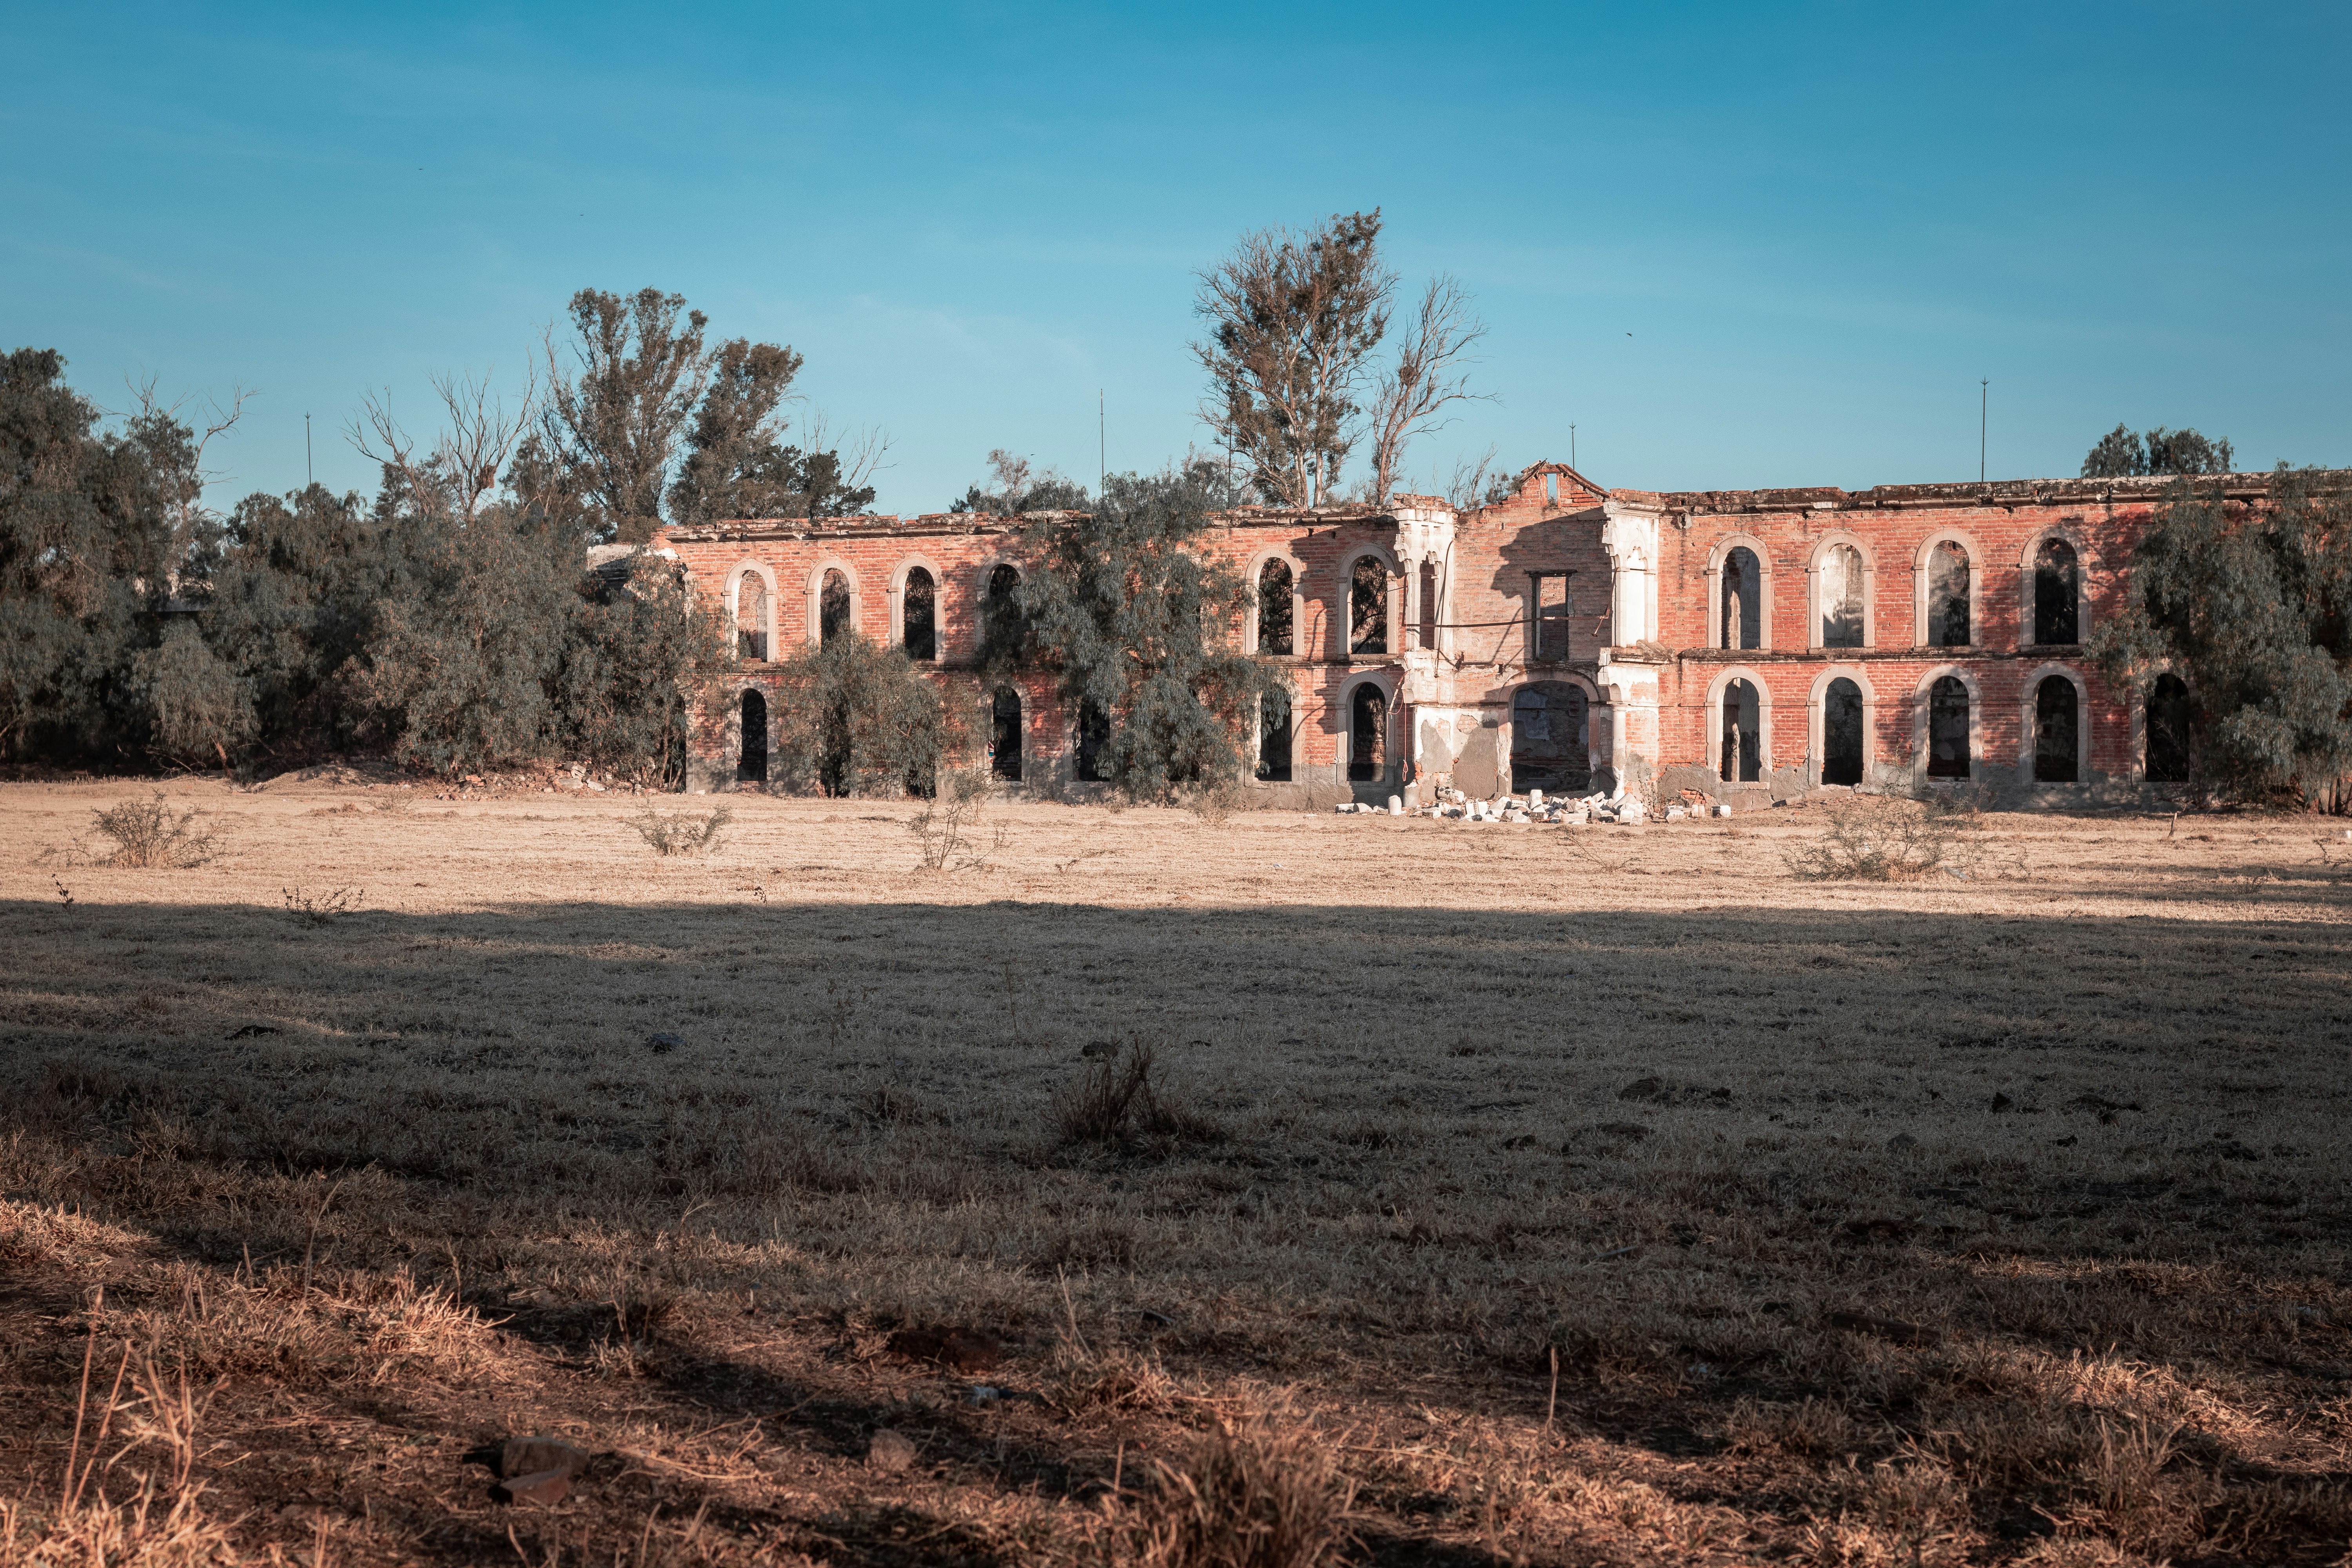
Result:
2252,606
2123,454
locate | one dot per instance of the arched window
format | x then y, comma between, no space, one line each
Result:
751,615
752,761
1842,732
1004,734
1743,599
2167,730
1368,607
1948,729
1948,596
1743,734
1274,737
1368,723
1094,740
2055,733
1842,607
1429,604
2057,581
1548,748
832,607
1274,589
920,613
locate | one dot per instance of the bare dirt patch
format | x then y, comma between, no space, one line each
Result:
1484,1201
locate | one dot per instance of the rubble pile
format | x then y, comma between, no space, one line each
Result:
1534,806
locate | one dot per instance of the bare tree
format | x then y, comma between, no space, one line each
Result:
1429,375
1292,320
468,456
1470,482
617,426
177,452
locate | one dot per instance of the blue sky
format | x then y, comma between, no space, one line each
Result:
1733,244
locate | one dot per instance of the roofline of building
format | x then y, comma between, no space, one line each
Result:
2134,491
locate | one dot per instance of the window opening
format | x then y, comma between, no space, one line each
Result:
2167,730
1743,735
1842,597
1005,735
1429,604
1550,750
1948,596
920,609
2055,720
1094,738
1368,733
751,616
1551,490
1948,729
752,761
1743,599
1547,593
2057,579
1274,737
1274,607
832,608
1841,733
1368,607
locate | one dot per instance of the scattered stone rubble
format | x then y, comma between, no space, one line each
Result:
1618,808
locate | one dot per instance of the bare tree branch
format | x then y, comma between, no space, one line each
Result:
468,456
1430,375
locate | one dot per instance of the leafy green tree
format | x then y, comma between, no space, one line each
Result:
622,689
1017,489
1133,619
854,718
2253,608
85,550
616,426
2123,454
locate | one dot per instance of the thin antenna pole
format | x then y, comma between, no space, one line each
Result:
1102,445
308,478
1984,403
1572,445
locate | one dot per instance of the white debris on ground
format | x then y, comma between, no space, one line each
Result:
1598,808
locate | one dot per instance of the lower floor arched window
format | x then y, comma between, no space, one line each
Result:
1005,735
751,759
1274,737
2056,731
1948,729
1368,723
1742,755
1841,736
2167,730
1093,741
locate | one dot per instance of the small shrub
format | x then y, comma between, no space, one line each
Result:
150,834
1260,1495
1215,802
1872,838
946,826
1115,1097
682,833
323,908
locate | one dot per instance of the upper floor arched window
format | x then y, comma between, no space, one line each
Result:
1367,605
1274,607
2057,589
920,614
1743,599
1842,597
832,608
1948,596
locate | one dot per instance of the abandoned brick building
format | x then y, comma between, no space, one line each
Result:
1754,645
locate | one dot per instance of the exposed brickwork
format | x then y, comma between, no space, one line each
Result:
1634,619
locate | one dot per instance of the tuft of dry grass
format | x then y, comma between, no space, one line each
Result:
1259,1492
682,832
1116,1096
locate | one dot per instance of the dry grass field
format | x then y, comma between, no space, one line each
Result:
1490,1194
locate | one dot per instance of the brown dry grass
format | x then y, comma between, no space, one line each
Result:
1939,1221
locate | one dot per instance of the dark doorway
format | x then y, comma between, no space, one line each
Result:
1274,607
1841,733
2057,579
831,609
921,615
2167,730
1274,737
1005,735
1743,734
2055,731
751,762
1550,749
1368,723
1743,599
1948,729
1094,738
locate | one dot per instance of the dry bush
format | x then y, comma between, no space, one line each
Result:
150,834
1116,1096
1215,802
321,909
1077,1382
682,833
1260,1494
1874,838
945,825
